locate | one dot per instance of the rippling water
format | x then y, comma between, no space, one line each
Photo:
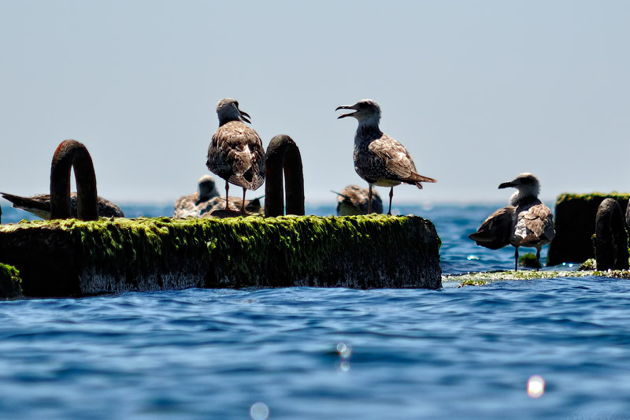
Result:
306,353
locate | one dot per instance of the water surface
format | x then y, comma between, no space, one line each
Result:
307,353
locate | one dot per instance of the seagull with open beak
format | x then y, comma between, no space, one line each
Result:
379,159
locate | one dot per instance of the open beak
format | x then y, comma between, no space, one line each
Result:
508,184
245,116
350,114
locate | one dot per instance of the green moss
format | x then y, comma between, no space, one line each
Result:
529,260
472,282
480,279
588,265
565,197
10,282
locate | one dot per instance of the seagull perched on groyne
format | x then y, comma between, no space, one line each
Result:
236,152
525,222
378,158
353,200
39,205
195,204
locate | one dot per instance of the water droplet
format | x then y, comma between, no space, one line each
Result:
344,367
344,350
259,411
536,386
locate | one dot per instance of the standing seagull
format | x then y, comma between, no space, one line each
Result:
378,158
236,152
525,222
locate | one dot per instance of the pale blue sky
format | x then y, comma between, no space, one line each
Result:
478,91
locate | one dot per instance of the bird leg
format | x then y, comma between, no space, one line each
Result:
243,202
227,188
369,211
537,258
515,258
391,195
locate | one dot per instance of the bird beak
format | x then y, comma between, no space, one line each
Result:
245,116
350,114
508,184
340,195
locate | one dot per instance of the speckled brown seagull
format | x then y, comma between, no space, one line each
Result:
236,152
378,158
353,200
194,205
525,222
39,205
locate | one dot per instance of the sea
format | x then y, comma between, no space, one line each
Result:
538,349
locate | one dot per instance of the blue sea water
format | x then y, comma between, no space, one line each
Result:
306,353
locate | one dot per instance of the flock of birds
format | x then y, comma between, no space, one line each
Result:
237,156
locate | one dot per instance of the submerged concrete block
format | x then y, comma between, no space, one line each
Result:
575,226
78,258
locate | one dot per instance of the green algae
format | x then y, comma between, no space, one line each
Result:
484,278
10,282
565,197
353,251
529,260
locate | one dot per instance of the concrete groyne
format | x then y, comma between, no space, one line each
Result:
575,216
78,258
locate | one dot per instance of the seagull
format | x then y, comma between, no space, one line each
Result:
39,205
193,205
378,158
216,205
525,222
236,152
353,200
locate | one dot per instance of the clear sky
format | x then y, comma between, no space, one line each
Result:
478,91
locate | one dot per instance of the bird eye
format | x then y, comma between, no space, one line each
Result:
236,103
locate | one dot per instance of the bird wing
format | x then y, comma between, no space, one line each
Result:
185,206
236,153
39,205
397,160
534,225
495,231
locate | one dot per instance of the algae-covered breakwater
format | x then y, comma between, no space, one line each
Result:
575,226
77,258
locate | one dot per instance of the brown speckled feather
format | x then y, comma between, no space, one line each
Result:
378,156
187,206
353,200
236,154
534,225
496,230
